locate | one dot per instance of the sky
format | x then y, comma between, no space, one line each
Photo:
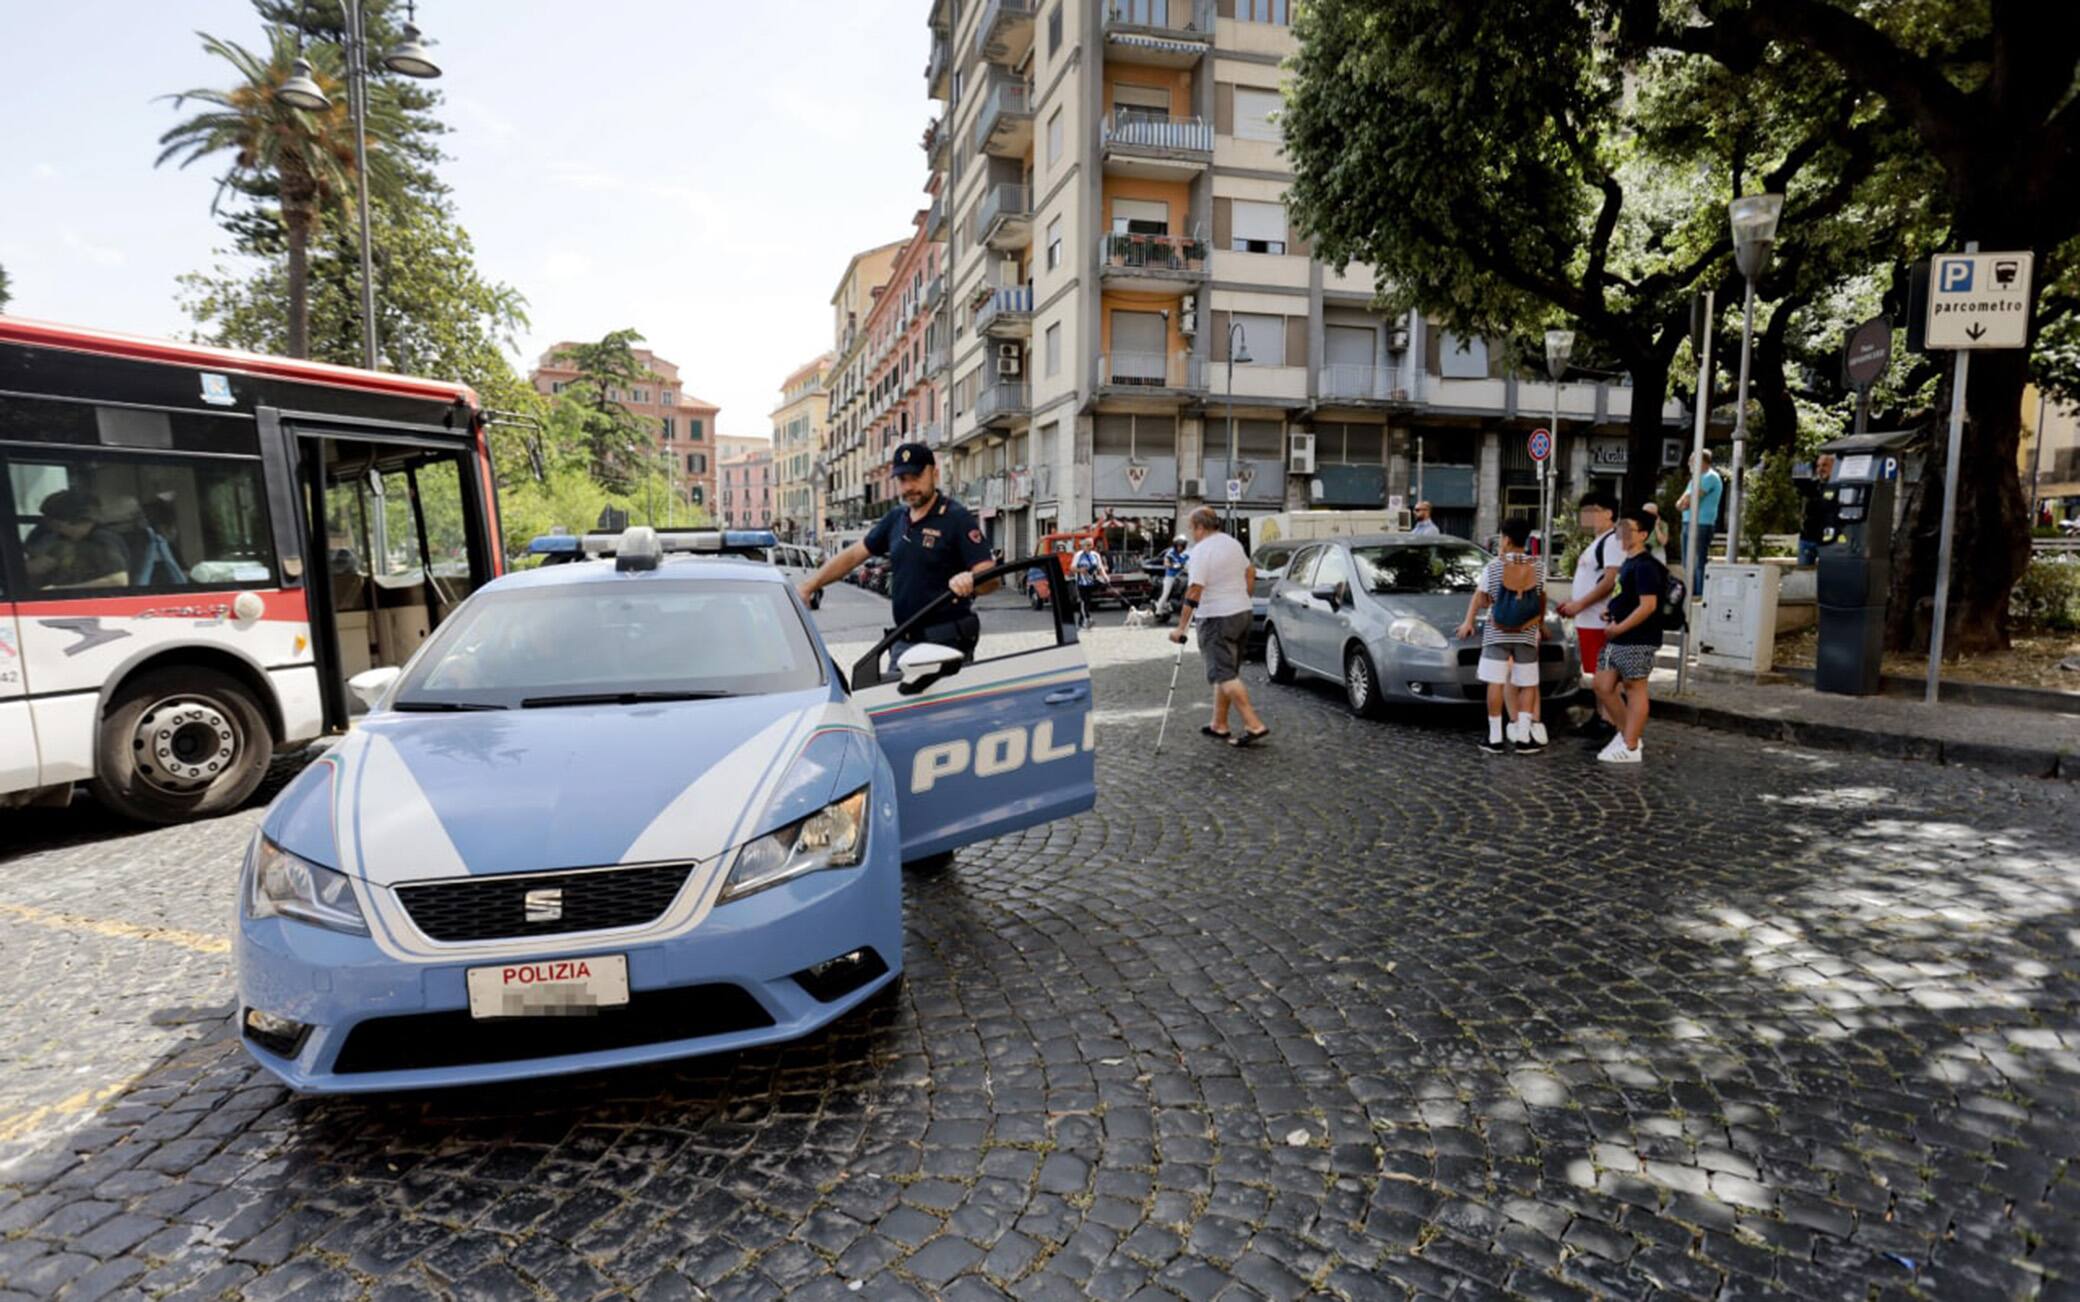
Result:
698,171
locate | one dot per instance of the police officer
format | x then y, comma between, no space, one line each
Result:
933,545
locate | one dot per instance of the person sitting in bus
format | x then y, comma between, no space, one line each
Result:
156,563
68,549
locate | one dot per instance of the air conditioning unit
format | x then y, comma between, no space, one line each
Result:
1010,350
1191,488
1189,304
1010,365
1300,454
1397,339
1188,322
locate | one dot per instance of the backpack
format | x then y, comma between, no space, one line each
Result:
1519,599
1672,612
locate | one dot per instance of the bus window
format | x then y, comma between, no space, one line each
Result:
151,524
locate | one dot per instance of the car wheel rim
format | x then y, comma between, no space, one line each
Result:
184,743
1274,654
1359,682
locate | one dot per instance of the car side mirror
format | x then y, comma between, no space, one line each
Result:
1327,592
370,684
925,664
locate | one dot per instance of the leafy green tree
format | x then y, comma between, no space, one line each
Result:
4,293
617,442
304,157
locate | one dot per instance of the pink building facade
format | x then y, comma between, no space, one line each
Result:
746,489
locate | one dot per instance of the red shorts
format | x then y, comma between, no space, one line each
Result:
1591,643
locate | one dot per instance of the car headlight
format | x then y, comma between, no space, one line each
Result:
832,837
1416,632
280,885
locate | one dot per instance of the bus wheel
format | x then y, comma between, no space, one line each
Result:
179,744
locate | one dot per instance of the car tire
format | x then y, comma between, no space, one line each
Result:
1276,666
160,718
1361,689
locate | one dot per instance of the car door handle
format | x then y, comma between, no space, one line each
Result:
1064,696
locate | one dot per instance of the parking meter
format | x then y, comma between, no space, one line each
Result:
1856,572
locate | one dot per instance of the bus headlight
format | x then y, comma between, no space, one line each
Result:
832,837
280,885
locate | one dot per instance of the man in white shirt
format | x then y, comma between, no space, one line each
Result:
1595,573
1218,580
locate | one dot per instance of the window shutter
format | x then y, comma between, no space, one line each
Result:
1225,8
1296,341
1224,103
1220,336
1433,349
1223,221
1258,221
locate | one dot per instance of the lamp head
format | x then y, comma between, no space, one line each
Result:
409,57
1754,221
1559,347
302,91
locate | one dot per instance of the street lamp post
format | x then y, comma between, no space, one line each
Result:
1559,346
1238,351
408,59
1754,221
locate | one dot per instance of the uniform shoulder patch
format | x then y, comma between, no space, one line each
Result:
975,535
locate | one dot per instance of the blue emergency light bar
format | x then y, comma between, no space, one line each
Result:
555,544
699,542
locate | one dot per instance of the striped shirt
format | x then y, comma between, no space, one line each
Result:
1491,583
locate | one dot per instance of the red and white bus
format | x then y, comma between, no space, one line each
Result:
199,547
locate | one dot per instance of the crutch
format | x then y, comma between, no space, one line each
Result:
1164,727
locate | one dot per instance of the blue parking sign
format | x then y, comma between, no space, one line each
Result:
1955,276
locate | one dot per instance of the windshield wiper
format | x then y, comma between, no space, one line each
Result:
616,698
436,707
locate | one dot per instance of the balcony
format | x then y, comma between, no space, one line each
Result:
1155,148
932,434
938,72
1158,33
1005,313
937,138
935,360
1159,264
1344,383
1006,31
1155,375
935,220
935,291
1004,125
1002,403
1004,219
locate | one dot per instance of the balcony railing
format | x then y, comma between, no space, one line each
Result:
1008,100
1172,18
1008,201
932,434
936,80
1006,29
1183,255
1135,132
934,361
1002,306
1350,382
1125,369
1003,400
936,137
935,220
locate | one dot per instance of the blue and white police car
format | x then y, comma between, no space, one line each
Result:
617,811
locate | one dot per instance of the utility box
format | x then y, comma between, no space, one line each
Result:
1738,626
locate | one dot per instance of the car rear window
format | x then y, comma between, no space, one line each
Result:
642,635
1418,568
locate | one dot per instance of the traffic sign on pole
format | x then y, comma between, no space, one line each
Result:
1234,490
1979,300
1541,444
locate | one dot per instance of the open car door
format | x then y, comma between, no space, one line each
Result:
985,748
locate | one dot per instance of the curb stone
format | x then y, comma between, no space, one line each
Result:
2020,761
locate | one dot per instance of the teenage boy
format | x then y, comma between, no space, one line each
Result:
1631,638
1595,573
1512,590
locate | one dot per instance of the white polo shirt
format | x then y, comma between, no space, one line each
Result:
1587,574
1220,566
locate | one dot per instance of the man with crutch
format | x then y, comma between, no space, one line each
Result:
1216,598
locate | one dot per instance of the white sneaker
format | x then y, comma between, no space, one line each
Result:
1619,753
1538,732
1513,733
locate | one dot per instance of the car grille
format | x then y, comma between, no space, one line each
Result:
1548,652
494,908
420,1041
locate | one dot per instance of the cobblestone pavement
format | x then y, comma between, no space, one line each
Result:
1365,1013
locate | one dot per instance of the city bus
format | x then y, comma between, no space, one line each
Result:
199,547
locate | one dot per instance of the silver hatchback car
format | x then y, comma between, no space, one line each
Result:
1378,613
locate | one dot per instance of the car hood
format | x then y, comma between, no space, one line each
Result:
408,797
1443,609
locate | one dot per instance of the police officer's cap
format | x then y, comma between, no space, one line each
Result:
910,459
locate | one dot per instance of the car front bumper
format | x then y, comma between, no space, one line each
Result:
376,1023
1451,675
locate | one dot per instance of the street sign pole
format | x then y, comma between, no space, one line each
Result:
1704,404
1950,476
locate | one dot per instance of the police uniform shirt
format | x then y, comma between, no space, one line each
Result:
924,555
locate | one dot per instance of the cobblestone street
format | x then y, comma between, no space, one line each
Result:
1364,1013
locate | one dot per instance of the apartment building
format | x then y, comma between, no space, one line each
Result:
2049,453
858,352
1119,245
728,447
800,423
744,486
684,425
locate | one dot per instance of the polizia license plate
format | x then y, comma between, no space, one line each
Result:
550,988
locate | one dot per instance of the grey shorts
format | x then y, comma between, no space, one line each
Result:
1630,663
1221,640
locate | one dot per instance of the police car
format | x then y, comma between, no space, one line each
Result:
617,811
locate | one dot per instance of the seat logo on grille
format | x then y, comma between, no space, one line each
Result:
545,905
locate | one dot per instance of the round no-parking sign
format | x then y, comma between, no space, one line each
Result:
1541,444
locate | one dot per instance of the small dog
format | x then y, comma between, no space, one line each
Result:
1140,617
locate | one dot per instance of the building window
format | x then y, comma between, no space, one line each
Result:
1054,31
1256,114
692,466
1054,350
1462,358
1054,243
664,397
1054,139
1263,11
1258,227
642,395
1263,337
693,429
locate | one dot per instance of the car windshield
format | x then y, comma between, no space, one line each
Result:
629,639
1416,568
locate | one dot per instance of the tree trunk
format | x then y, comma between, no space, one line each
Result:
296,222
1990,545
1645,430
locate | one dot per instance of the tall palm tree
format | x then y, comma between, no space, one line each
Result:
304,159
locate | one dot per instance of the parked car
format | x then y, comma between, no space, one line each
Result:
1379,614
1270,560
797,563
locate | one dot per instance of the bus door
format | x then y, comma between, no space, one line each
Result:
18,763
398,536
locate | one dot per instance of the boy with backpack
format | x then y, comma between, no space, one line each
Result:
1595,573
1641,605
1513,592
